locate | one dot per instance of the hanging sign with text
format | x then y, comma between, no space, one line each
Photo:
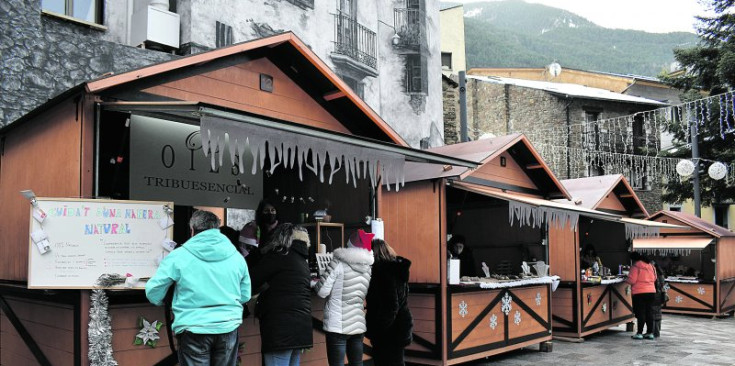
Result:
85,238
167,163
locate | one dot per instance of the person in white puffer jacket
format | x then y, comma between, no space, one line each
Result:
345,285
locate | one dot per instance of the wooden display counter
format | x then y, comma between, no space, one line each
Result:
592,308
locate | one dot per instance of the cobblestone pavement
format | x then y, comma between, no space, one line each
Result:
685,340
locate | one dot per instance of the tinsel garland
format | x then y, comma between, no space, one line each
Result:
99,332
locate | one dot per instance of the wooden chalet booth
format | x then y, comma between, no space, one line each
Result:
586,306
699,261
502,208
140,136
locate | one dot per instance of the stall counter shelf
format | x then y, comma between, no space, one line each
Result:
488,321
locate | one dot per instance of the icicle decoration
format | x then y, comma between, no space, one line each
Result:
665,251
634,231
535,216
292,150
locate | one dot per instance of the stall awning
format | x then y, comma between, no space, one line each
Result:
533,211
226,132
671,245
636,228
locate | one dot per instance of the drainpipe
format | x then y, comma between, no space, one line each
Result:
462,108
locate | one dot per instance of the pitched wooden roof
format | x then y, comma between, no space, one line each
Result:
591,192
484,151
693,221
292,57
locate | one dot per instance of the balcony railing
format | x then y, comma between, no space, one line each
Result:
354,40
408,26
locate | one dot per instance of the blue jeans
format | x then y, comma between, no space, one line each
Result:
339,344
290,357
207,349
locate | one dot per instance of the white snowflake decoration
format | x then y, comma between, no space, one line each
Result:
463,309
517,318
604,308
701,291
538,299
627,290
679,299
493,321
506,304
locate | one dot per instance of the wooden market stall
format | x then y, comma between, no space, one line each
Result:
699,261
502,208
141,135
581,306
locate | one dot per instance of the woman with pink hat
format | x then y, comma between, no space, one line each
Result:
345,284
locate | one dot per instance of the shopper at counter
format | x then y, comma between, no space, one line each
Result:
389,321
345,285
642,278
206,316
258,231
459,250
284,308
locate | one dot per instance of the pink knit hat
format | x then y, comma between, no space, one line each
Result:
360,239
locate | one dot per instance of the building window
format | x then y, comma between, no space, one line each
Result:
87,10
675,208
721,215
447,60
415,79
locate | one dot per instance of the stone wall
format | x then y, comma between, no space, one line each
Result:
450,90
42,56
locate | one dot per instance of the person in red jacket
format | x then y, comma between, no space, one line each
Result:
642,279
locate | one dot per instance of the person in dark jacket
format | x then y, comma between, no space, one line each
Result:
258,231
389,321
660,300
284,308
459,250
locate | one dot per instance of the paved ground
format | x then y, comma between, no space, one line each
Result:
685,340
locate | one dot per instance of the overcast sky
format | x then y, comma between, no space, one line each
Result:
659,16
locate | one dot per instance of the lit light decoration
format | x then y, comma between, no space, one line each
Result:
507,307
493,322
717,170
517,318
538,299
701,291
463,309
685,168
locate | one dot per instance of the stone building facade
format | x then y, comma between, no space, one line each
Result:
450,105
386,50
496,108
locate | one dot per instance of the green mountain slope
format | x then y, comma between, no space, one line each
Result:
517,34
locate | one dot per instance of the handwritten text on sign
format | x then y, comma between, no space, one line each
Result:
93,237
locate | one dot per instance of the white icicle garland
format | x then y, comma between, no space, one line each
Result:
535,216
290,150
634,231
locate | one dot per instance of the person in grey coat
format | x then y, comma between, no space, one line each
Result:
345,285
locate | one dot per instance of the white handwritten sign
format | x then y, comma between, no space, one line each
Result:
88,238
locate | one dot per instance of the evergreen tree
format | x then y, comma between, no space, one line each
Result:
710,67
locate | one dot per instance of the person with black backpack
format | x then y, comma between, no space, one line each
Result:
660,299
